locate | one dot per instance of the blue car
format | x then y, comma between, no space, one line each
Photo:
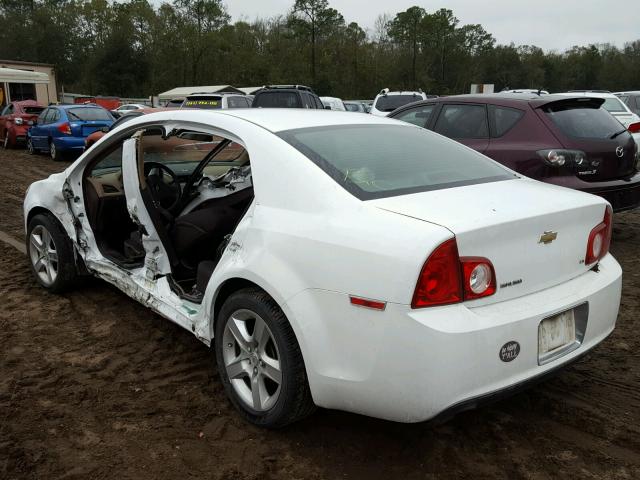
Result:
61,129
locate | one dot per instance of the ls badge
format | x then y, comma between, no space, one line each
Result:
548,237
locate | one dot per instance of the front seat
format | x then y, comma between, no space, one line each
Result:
197,235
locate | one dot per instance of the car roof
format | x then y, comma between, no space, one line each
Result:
274,119
628,92
77,105
587,94
502,99
209,94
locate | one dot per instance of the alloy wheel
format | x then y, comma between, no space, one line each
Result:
30,149
52,150
44,255
252,360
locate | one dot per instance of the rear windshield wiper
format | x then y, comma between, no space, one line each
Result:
617,134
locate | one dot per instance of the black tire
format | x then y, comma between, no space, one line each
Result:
30,148
66,272
294,401
55,154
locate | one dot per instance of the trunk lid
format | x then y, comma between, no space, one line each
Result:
86,128
504,222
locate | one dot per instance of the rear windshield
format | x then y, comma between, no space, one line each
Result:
583,121
376,161
33,110
389,103
277,100
613,105
88,114
204,103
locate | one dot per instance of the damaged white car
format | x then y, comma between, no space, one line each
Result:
349,262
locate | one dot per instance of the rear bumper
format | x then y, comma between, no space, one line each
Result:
69,144
622,194
412,365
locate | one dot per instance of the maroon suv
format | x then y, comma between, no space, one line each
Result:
566,141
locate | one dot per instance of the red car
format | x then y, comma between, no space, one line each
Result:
15,119
565,141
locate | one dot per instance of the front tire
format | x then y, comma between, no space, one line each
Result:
56,155
50,253
30,149
260,362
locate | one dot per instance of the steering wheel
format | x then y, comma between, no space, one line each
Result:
166,194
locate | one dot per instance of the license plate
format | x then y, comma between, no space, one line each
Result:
556,332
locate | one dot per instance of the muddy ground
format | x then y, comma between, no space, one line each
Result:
94,386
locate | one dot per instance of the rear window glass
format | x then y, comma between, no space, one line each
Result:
613,105
376,161
204,103
388,103
33,110
463,121
582,121
277,100
88,114
505,118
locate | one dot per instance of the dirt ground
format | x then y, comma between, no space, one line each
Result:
95,386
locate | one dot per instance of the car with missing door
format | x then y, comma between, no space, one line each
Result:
569,141
344,261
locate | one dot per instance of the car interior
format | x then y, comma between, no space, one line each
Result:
196,188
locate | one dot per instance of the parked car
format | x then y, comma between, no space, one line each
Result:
386,101
286,96
355,106
614,106
216,101
128,107
14,121
333,103
567,141
61,129
131,114
631,100
406,277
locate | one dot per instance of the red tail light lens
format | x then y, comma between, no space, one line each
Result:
440,281
634,128
446,278
600,238
65,128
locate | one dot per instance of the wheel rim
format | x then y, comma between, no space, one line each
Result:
29,146
5,144
252,360
52,150
43,254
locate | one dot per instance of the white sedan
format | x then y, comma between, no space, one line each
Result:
350,262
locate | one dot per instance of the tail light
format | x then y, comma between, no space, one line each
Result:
600,238
561,157
634,128
446,278
65,128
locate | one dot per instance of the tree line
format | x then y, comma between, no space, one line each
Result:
131,48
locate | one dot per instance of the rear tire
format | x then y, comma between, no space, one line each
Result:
266,359
50,253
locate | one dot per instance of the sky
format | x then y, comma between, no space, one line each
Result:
550,24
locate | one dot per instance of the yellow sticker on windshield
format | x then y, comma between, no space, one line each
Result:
192,103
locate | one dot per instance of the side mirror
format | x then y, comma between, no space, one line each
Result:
327,107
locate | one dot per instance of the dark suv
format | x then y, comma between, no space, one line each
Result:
286,96
566,141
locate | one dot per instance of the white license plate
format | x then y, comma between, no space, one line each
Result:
556,332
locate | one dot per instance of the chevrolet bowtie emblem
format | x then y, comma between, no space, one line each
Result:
548,237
